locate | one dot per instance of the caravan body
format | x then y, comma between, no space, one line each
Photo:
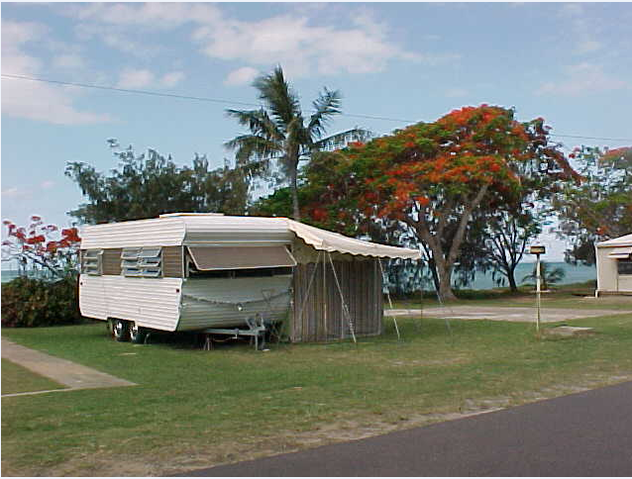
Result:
186,272
191,272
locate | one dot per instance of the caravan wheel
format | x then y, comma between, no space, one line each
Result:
120,330
137,334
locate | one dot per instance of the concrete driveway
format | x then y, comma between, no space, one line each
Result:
503,314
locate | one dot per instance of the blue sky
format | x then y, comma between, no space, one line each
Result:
567,62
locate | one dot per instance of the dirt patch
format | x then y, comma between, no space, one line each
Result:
431,362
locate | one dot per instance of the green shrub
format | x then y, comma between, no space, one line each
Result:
30,302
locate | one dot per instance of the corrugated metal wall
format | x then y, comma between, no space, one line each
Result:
227,302
152,302
319,315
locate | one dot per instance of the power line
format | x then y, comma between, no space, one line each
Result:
235,102
126,90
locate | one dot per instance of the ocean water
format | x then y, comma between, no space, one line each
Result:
574,274
9,274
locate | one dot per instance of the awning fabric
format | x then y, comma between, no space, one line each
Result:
209,258
333,242
621,253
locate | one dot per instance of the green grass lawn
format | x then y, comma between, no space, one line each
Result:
16,379
195,408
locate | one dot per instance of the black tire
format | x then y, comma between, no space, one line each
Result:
120,330
137,334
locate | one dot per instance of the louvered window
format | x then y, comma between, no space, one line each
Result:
92,263
142,262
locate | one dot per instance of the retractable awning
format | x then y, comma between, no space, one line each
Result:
333,242
210,258
623,252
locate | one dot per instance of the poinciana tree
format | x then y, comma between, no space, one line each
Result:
429,178
280,133
600,207
44,245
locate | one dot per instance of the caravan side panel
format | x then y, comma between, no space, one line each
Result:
150,302
130,234
228,302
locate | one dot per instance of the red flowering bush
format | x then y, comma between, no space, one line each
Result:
28,302
42,246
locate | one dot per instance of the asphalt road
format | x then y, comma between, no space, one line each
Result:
584,434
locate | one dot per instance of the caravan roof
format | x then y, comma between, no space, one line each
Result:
195,229
615,242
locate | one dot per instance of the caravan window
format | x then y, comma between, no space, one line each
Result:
91,262
624,266
236,262
142,262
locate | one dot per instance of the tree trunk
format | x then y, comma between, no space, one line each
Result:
512,280
295,207
293,157
445,288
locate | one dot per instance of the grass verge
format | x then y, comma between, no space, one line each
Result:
16,379
194,408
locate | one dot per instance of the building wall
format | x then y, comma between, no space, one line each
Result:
625,283
606,271
608,278
318,312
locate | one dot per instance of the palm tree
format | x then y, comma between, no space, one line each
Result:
547,276
278,131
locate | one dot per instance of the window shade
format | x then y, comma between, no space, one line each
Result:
214,258
621,253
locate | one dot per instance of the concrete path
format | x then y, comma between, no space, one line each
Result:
549,315
72,375
584,434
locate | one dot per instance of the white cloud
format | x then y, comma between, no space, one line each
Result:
47,184
456,92
30,99
69,61
241,76
292,39
157,15
583,78
172,78
582,28
116,36
142,78
17,33
588,46
132,78
14,193
303,48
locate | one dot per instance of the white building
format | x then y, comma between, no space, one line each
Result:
614,266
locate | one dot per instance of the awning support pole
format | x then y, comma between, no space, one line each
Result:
309,287
388,295
342,298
